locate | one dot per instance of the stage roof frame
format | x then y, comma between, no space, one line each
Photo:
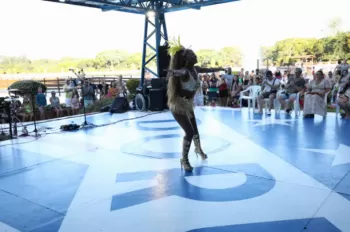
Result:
143,6
155,25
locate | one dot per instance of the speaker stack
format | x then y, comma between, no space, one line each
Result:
153,97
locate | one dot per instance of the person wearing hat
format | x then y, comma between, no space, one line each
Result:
55,103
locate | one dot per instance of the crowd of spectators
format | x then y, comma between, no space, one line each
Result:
78,92
314,94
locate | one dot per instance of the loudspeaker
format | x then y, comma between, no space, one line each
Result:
164,60
165,97
119,105
158,83
156,97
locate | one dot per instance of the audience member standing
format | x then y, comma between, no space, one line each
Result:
88,92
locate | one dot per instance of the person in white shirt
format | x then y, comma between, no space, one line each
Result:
338,67
331,79
229,78
345,65
284,79
270,87
198,99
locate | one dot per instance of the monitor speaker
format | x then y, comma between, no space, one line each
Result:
119,105
164,60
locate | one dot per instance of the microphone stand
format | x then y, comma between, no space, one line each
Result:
85,124
8,111
34,112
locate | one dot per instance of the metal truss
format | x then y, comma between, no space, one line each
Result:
154,11
161,39
143,6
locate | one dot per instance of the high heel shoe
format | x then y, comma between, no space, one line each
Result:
185,163
198,150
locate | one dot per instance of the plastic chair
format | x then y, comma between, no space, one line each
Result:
337,108
326,101
254,91
296,104
276,103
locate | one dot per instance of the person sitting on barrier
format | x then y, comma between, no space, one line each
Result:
113,90
41,102
103,89
121,86
26,109
68,89
75,103
183,83
55,104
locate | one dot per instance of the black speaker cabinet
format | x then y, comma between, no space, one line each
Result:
164,60
156,97
158,83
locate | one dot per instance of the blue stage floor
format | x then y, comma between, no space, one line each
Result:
264,174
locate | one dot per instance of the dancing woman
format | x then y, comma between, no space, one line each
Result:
183,83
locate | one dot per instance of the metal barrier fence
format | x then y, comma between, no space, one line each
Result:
57,84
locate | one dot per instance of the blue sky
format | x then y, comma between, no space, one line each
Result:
42,29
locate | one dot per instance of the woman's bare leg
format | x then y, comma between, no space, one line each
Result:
186,125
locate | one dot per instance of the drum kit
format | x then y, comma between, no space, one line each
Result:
9,108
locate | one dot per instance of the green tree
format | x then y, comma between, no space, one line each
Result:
134,61
111,58
206,56
341,45
230,56
227,56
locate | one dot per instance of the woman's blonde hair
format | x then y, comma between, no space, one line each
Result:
177,62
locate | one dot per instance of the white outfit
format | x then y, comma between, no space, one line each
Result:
315,104
275,82
199,96
284,80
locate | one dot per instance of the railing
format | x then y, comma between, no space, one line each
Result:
57,84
